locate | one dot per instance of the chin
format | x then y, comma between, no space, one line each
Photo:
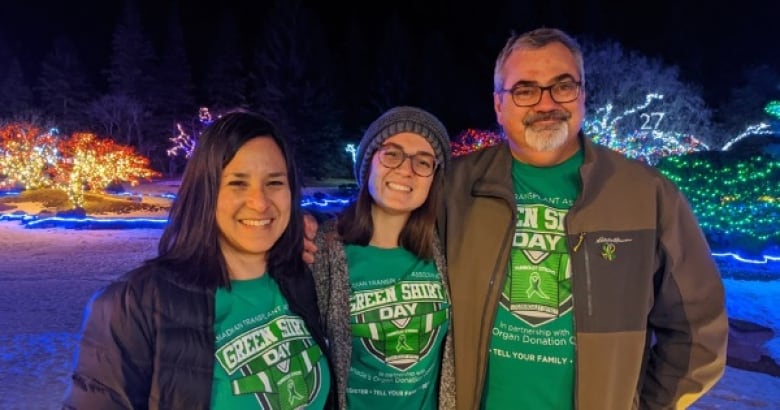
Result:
548,139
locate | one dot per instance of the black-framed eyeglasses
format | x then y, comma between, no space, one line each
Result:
392,156
526,95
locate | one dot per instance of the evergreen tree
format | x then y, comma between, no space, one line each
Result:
293,87
438,82
226,74
131,83
393,79
355,80
16,96
132,57
173,97
63,87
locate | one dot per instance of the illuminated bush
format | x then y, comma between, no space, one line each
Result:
37,159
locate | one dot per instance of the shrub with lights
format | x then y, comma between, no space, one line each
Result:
472,140
36,159
737,200
187,133
27,155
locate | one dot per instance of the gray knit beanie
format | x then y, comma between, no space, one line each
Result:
395,121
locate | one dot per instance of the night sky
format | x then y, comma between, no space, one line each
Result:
710,43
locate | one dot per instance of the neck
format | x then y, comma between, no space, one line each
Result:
245,267
387,227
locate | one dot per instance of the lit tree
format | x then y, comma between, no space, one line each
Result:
37,159
773,108
623,80
188,132
648,143
27,155
94,163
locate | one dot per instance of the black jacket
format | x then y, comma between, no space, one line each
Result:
148,342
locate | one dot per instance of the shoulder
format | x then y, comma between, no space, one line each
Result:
145,285
130,287
488,165
609,163
327,234
480,157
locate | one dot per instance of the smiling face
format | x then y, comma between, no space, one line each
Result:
400,191
253,202
543,134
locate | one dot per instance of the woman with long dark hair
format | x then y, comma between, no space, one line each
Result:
225,316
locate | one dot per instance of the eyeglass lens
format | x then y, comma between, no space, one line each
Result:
563,92
423,164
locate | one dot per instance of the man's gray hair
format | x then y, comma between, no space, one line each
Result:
535,39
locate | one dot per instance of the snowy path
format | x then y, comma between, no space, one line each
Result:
47,276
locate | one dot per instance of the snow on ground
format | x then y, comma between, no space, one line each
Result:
48,275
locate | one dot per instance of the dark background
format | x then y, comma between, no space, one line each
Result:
711,42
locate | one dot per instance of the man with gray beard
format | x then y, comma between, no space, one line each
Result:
579,278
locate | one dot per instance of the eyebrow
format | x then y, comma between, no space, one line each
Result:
394,145
246,175
557,79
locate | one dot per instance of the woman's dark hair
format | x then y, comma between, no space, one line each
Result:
190,241
355,225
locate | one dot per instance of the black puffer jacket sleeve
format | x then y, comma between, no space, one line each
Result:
113,368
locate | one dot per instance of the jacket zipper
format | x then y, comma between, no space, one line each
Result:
589,298
586,255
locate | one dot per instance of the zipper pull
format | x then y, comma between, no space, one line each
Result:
579,242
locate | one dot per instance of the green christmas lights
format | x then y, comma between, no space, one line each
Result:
737,201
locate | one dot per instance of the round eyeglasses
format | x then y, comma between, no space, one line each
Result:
526,95
392,156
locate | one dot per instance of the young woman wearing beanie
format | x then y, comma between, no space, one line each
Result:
380,272
225,316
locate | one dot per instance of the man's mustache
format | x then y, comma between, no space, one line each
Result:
547,116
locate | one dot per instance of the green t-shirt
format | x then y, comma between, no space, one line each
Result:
266,357
531,359
399,317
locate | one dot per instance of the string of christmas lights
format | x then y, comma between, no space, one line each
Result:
35,159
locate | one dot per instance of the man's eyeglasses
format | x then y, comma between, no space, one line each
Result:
392,156
526,95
